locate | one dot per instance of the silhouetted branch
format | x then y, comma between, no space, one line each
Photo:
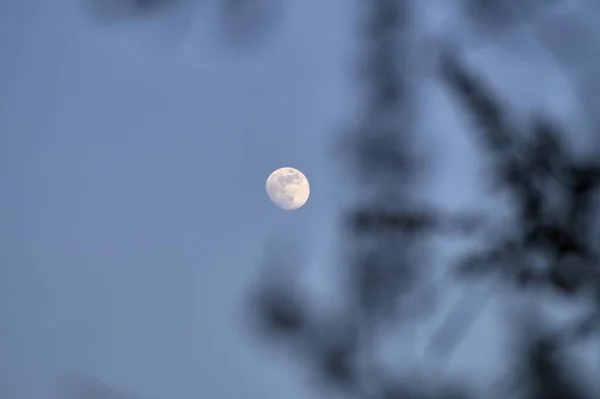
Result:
548,242
544,372
525,169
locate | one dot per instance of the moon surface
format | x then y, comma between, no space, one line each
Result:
288,188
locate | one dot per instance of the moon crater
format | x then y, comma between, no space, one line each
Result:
288,188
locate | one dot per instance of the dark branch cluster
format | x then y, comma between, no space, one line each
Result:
384,231
549,240
552,192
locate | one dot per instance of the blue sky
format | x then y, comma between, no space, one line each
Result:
134,210
134,184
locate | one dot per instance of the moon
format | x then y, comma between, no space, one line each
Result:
288,188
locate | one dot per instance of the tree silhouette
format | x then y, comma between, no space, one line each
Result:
553,205
386,232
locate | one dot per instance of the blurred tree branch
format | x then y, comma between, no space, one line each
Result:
385,234
385,230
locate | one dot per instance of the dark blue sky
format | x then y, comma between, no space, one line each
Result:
132,199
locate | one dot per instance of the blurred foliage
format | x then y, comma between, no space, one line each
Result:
386,232
550,241
496,17
383,232
524,168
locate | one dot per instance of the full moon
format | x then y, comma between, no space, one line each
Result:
288,188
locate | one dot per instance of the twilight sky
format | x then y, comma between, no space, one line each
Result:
132,197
